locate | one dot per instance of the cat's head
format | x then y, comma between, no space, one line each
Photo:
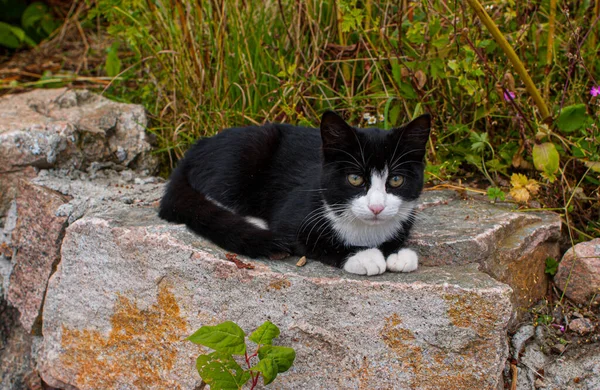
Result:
372,177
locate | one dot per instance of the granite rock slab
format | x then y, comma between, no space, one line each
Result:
149,284
509,245
129,288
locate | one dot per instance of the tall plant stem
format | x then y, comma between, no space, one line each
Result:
513,58
550,52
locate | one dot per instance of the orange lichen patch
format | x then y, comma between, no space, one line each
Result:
279,284
364,375
471,311
431,367
140,349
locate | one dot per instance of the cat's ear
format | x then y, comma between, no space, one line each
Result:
414,135
335,132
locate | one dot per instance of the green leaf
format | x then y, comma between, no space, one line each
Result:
407,91
394,115
478,141
494,193
8,38
546,159
49,25
265,333
572,118
226,337
396,71
551,266
112,66
221,371
268,368
33,14
283,356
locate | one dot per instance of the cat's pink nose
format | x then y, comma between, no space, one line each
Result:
376,208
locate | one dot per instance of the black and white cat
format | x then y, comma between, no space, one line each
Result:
341,195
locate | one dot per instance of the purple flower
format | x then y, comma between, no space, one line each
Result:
595,91
510,95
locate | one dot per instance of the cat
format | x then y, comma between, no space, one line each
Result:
342,195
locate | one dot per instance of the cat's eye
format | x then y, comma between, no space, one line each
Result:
396,181
356,180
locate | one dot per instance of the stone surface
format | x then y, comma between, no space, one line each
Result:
581,326
63,128
148,285
16,362
510,246
579,272
36,241
576,369
521,337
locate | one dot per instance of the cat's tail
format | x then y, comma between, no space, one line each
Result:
231,231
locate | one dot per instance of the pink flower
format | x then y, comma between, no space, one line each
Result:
595,91
510,95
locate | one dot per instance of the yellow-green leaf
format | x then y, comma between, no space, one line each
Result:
546,158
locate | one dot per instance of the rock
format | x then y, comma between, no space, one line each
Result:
577,368
36,239
520,338
63,128
149,284
539,384
441,327
16,362
581,326
579,272
559,348
510,246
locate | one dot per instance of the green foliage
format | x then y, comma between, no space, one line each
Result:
283,357
572,118
28,26
226,337
495,194
551,266
220,370
112,66
265,333
202,66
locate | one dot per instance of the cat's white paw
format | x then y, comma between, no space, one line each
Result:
366,262
406,260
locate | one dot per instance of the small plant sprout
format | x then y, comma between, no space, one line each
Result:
221,371
494,194
551,266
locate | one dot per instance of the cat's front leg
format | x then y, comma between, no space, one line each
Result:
405,260
366,262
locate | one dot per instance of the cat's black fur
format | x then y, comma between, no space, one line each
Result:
282,174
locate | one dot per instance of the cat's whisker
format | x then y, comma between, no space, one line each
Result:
311,216
398,165
408,152
360,147
345,152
